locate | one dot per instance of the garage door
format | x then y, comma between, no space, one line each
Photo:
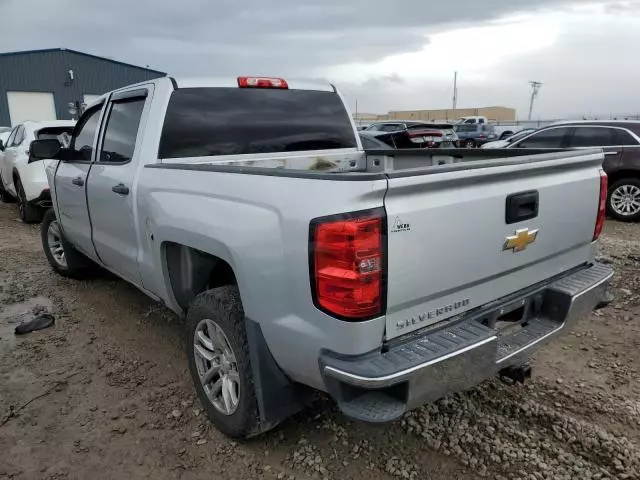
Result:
34,106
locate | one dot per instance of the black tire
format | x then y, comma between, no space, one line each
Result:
5,196
77,265
469,143
224,307
633,184
28,213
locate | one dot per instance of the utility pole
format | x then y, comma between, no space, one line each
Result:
455,92
535,87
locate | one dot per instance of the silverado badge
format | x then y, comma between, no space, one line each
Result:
520,240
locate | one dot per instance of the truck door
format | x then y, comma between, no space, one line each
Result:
71,182
110,192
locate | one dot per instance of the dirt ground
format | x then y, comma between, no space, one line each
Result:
105,394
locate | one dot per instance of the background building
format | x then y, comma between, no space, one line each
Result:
40,84
498,114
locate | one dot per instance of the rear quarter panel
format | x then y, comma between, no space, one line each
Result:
259,225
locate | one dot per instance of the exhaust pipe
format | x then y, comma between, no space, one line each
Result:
515,374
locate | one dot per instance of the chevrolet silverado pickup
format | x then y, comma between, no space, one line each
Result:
301,262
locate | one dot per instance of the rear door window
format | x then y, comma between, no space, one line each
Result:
121,131
230,121
622,137
551,138
592,137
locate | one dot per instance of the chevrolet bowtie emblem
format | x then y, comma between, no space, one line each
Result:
521,240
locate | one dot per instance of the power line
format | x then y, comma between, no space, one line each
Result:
535,87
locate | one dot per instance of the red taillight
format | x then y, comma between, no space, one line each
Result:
348,263
602,205
262,82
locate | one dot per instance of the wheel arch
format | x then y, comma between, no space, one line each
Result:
618,175
191,271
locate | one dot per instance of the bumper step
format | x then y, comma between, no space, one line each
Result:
415,354
374,406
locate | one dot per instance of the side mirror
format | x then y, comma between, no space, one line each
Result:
1,146
44,149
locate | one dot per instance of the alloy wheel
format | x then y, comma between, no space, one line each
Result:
54,241
217,366
625,200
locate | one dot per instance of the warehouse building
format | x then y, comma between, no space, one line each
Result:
41,84
497,114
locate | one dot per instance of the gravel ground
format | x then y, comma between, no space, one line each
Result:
106,394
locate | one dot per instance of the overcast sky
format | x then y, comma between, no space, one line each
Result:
387,55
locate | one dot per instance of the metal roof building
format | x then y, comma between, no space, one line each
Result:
40,84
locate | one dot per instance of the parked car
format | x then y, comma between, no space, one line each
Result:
402,139
620,141
472,135
302,263
423,134
507,141
370,141
20,178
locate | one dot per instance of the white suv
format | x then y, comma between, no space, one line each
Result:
25,181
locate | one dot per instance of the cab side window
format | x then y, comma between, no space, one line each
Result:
85,134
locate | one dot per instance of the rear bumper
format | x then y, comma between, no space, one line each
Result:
381,386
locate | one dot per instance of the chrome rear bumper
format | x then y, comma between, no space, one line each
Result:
382,385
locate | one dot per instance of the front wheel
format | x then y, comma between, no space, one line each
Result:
28,213
623,202
62,256
469,143
218,354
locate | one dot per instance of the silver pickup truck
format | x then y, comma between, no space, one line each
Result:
301,262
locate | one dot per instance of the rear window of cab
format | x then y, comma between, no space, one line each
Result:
204,122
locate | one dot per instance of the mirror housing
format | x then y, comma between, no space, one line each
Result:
44,150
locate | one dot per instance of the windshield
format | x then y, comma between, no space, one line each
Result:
231,121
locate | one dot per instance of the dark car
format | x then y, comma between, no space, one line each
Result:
421,134
401,139
370,142
620,141
472,135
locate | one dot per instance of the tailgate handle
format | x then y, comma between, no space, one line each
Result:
521,206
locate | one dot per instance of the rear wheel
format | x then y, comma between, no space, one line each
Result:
28,213
218,353
469,143
62,256
623,202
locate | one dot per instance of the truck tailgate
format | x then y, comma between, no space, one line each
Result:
450,248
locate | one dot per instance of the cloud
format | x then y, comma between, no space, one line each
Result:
388,55
198,37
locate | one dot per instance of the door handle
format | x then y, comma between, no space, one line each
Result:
611,153
120,189
78,181
521,206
